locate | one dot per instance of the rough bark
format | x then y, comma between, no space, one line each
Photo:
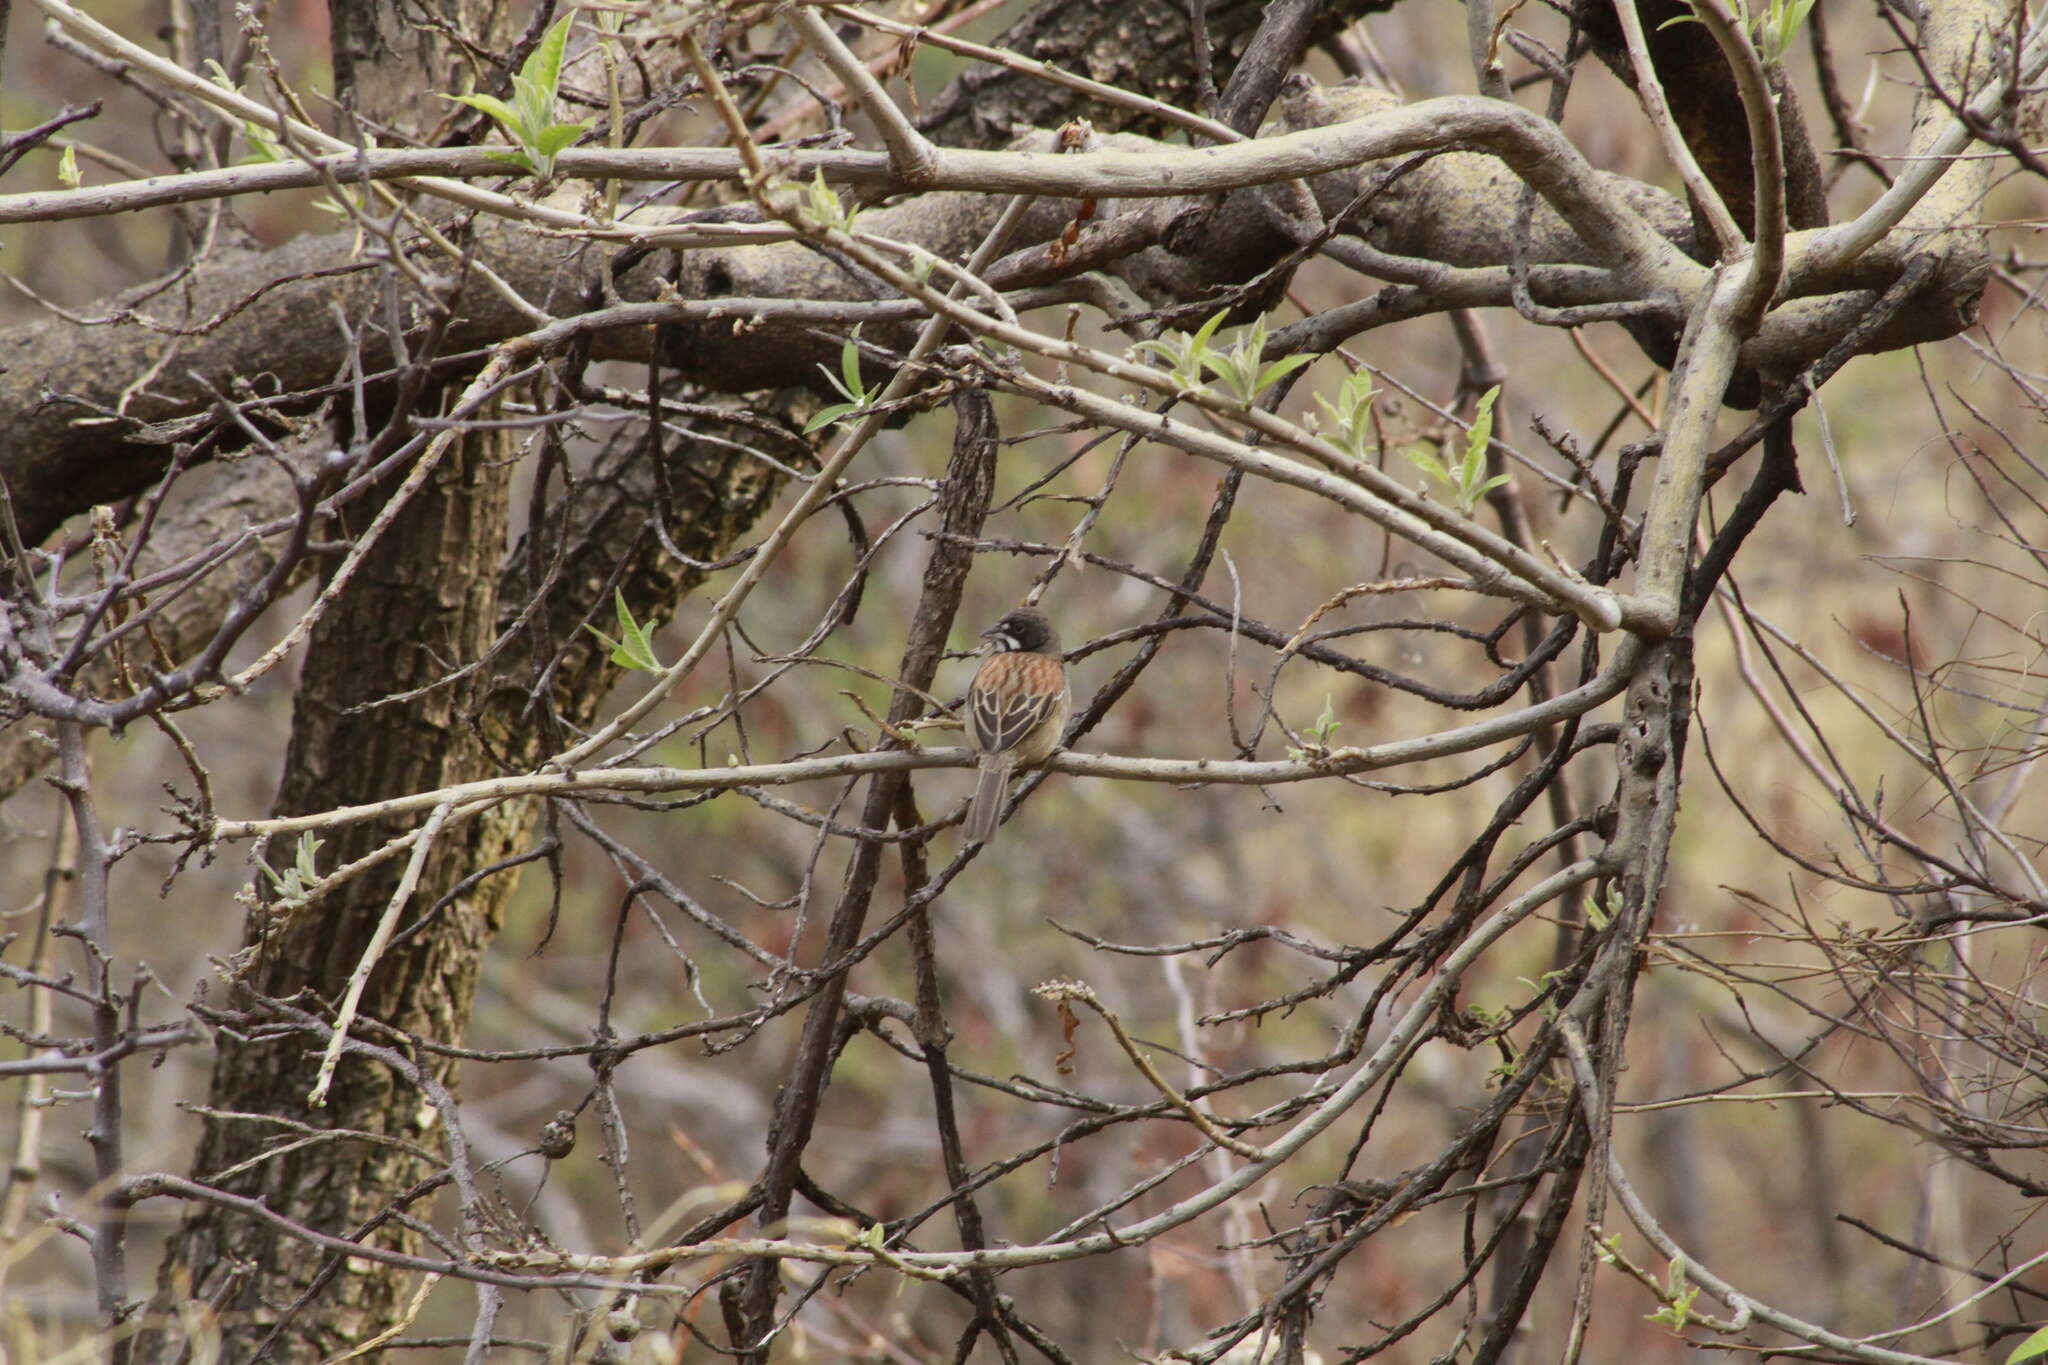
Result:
1144,46
1707,109
425,602
434,600
427,599
385,54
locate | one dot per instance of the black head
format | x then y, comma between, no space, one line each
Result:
1024,629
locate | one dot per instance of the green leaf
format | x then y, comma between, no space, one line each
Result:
536,107
1181,359
67,169
1327,723
309,847
514,158
847,381
1480,436
849,366
1352,412
553,139
1165,348
261,146
1781,26
1230,369
531,116
1357,392
1199,342
2033,1348
826,209
1280,369
492,105
828,415
543,66
294,882
634,649
1424,459
1192,359
1318,734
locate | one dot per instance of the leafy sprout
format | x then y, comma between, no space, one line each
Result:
294,883
1191,358
1773,31
847,382
634,648
1186,354
824,208
1318,735
530,119
1241,369
262,146
1679,1294
1467,482
1352,414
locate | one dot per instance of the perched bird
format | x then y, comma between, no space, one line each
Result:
1016,708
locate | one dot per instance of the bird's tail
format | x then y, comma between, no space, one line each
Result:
989,791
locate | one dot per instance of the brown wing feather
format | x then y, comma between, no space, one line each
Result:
1009,697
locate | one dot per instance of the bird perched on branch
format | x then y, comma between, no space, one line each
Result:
1016,708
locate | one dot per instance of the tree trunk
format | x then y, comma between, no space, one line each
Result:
430,601
425,601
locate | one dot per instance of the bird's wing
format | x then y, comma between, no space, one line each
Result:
1011,694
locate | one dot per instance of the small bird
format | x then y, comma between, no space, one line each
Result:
1016,708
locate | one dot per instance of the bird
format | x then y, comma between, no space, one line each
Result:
1016,708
